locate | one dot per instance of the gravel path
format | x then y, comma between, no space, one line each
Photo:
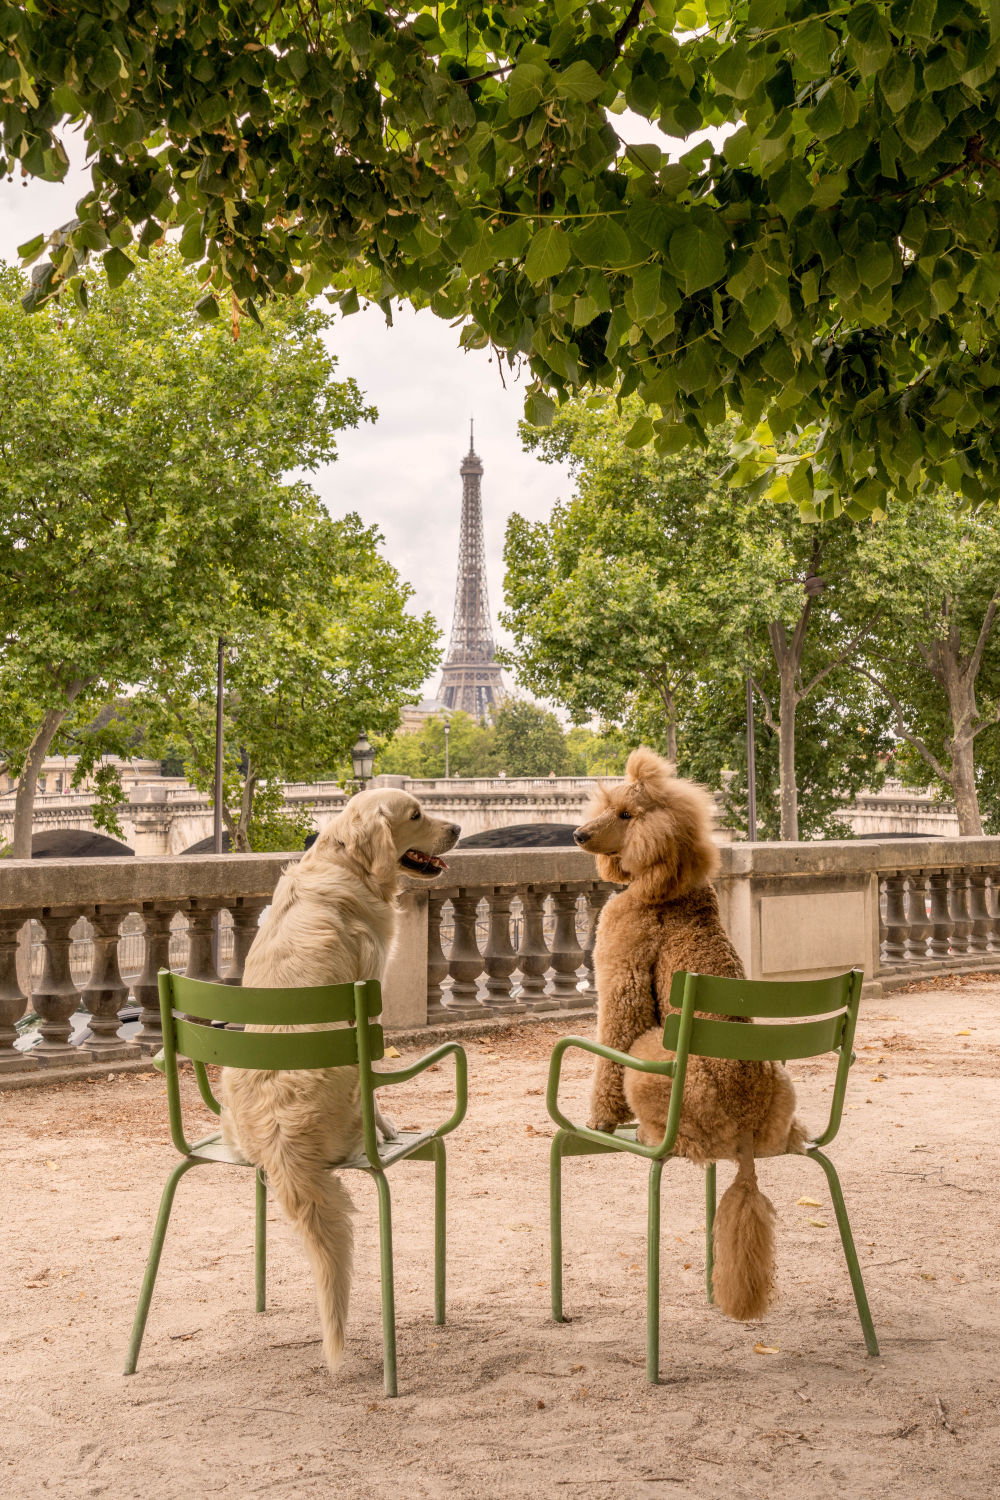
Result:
502,1402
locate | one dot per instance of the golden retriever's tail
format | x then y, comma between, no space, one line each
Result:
743,1276
320,1207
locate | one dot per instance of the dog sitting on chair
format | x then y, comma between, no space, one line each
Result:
654,836
331,922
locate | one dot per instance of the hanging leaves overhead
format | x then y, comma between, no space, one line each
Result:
828,264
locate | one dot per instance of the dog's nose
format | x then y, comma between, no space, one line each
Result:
456,828
581,836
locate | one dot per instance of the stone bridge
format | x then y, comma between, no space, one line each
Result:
165,816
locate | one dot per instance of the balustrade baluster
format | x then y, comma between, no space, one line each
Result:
105,992
57,997
157,917
465,962
918,925
979,911
246,924
597,897
499,958
942,926
567,955
13,1001
201,924
437,963
893,919
959,909
533,957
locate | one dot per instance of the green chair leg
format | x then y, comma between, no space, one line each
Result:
709,1227
653,1275
440,1228
388,1289
850,1254
260,1243
153,1264
555,1224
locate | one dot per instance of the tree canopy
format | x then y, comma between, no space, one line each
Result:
142,456
830,271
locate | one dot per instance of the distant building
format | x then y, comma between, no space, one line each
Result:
470,679
413,716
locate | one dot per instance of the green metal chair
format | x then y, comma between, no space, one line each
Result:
835,1001
353,1046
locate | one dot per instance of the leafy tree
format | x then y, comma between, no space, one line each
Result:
528,740
141,459
319,646
600,752
831,268
422,753
646,587
936,570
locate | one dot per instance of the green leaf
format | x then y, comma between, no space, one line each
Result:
836,110
699,253
579,81
524,89
548,253
897,81
920,125
31,249
207,307
812,44
117,267
604,243
539,409
640,433
875,264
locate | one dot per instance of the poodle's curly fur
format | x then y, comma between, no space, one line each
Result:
654,836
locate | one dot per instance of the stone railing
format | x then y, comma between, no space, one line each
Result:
901,909
504,934
92,934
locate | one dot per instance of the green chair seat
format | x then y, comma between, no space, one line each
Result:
187,1009
804,1018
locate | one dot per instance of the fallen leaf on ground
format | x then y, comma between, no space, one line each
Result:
766,1349
818,1223
391,1052
809,1203
963,1033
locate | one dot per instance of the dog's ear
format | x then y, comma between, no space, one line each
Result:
650,771
367,837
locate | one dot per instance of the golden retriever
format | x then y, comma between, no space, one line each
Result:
653,834
331,921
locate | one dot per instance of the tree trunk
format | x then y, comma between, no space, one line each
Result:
963,786
787,782
246,813
27,782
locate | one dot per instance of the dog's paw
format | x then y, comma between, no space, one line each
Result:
385,1130
606,1127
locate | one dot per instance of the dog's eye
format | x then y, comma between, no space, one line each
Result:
414,816
624,814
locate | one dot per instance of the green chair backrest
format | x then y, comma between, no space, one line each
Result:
825,1013
189,1006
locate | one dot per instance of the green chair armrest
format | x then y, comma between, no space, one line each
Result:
626,1060
403,1075
160,1062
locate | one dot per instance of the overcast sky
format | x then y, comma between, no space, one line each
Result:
400,473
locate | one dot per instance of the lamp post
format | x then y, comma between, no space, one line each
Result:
217,786
447,732
362,760
751,767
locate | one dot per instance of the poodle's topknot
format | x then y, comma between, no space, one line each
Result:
650,770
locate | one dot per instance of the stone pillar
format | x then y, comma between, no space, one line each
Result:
246,925
894,923
919,927
57,997
940,915
533,957
201,933
567,955
106,992
499,959
465,962
437,962
596,899
157,916
979,912
13,1002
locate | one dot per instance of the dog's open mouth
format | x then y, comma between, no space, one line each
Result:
422,864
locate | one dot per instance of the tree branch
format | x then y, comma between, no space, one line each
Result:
622,35
901,729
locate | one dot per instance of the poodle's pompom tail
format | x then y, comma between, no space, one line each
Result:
743,1275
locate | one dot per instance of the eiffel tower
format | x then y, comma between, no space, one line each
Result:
470,678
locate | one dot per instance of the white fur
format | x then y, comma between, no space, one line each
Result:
331,921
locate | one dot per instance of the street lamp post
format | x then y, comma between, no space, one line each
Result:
362,760
217,786
447,732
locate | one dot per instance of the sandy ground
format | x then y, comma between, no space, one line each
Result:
501,1401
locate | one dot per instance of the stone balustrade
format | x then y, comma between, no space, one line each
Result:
503,934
